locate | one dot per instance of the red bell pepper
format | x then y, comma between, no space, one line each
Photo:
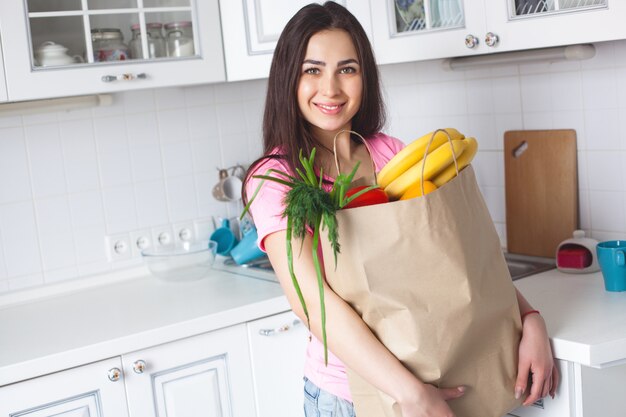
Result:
373,196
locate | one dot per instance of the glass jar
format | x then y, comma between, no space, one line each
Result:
108,45
156,43
179,39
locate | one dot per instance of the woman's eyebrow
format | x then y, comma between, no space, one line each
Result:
339,64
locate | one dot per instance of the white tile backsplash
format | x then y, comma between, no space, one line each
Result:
53,216
69,178
46,160
120,211
20,239
151,203
15,180
79,155
600,89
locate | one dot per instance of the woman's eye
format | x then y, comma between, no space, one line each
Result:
348,70
312,71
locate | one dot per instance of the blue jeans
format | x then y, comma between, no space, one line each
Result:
320,403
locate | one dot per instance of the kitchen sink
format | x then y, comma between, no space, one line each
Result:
521,266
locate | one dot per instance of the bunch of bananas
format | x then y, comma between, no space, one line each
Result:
402,177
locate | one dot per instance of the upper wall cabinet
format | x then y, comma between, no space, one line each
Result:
412,30
251,29
526,24
58,48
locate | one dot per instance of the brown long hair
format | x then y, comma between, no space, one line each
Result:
284,127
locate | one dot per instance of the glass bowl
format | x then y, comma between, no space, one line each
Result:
188,262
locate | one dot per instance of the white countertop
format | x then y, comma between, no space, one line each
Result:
83,326
587,324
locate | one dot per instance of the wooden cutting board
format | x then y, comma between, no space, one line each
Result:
541,187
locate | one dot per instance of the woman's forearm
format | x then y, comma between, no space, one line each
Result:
349,338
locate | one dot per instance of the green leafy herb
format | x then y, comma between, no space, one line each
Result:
309,206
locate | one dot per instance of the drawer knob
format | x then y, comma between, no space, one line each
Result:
114,374
471,41
491,39
139,366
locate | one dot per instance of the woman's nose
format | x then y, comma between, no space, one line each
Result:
329,85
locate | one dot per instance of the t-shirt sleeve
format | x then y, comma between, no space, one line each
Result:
383,148
268,205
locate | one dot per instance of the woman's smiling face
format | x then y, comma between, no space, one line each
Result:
331,84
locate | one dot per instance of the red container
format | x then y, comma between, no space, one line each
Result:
573,256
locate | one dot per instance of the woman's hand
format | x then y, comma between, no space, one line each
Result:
430,401
535,359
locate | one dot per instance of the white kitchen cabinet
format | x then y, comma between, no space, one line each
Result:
82,26
251,29
527,24
414,30
277,349
93,390
205,375
583,392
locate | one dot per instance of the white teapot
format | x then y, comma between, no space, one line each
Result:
50,54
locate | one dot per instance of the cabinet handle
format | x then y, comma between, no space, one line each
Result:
139,366
124,77
282,329
114,374
471,41
491,39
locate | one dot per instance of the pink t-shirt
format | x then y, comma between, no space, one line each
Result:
267,209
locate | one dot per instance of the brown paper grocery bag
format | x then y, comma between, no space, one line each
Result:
429,278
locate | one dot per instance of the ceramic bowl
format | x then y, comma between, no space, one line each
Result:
189,262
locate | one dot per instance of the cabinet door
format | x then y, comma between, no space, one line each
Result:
201,376
525,24
73,47
85,391
251,29
277,347
413,30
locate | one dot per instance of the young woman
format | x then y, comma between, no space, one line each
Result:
324,80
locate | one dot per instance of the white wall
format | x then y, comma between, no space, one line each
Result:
67,179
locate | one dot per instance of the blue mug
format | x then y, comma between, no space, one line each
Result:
225,238
612,260
247,250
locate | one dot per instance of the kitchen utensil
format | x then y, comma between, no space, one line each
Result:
228,188
50,54
612,260
577,254
225,238
247,249
541,188
188,262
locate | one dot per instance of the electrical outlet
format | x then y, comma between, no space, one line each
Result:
163,236
203,228
118,247
184,232
140,240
